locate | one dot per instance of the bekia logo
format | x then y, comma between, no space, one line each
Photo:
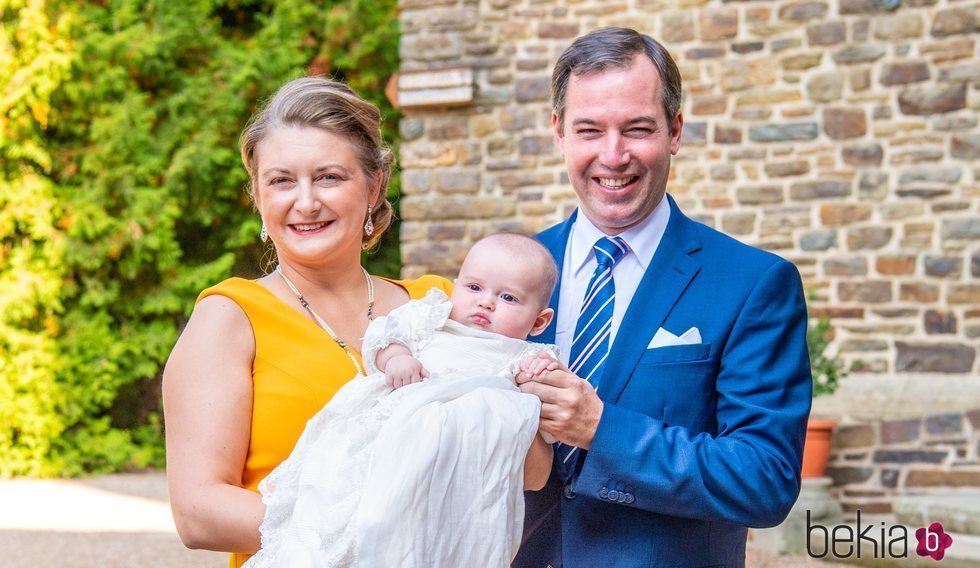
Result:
874,540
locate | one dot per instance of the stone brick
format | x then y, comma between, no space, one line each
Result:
678,26
860,79
860,29
513,120
844,123
973,417
848,266
889,478
863,345
411,128
945,175
536,145
961,229
784,43
909,456
943,267
425,154
809,190
826,86
859,54
937,322
519,180
965,73
863,154
759,194
708,104
944,424
859,7
713,52
746,154
847,436
900,431
865,238
818,240
918,292
826,33
956,21
873,185
897,313
483,125
902,25
722,172
801,61
785,169
532,64
933,101
895,265
728,135
415,181
447,128
953,49
450,181
975,264
904,72
802,11
949,478
964,294
446,231
695,133
917,156
739,223
533,89
558,30
934,358
430,47
783,132
965,146
718,24
869,292
844,475
747,47
837,312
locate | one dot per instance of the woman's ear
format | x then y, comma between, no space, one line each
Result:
542,322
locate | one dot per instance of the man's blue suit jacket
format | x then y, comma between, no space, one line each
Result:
696,442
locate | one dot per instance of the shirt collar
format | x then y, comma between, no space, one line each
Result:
642,238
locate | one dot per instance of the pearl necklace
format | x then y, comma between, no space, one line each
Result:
323,324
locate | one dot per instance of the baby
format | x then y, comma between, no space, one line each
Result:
423,462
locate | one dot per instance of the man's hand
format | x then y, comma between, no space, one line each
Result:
402,370
570,407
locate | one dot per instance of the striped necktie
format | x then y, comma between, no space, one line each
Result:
590,346
591,342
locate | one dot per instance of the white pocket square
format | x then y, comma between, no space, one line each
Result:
664,338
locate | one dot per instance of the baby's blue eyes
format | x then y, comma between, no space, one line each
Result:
507,298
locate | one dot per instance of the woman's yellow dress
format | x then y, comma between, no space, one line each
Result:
297,370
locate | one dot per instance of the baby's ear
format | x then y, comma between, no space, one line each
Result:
542,321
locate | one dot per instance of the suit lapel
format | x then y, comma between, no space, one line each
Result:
665,280
555,240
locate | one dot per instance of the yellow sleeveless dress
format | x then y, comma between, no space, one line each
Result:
297,369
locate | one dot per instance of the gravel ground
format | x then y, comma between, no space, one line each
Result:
124,520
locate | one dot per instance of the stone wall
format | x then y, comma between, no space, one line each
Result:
874,462
840,134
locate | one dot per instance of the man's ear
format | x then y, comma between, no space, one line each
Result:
558,133
542,321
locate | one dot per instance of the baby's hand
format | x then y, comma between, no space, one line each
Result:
403,370
538,364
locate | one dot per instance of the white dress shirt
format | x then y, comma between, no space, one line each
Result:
579,264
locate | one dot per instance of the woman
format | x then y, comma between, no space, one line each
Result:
259,358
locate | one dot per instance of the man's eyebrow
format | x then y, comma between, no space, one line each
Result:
637,120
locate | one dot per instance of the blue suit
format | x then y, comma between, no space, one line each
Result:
696,442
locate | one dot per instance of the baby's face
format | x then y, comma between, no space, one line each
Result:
495,292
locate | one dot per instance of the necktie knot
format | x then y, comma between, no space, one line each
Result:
608,250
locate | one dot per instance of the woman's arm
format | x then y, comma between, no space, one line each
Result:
537,465
207,400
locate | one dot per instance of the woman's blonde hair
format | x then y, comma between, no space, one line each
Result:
318,102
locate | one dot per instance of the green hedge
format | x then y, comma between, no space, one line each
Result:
122,196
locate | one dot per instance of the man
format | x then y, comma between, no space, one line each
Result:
690,426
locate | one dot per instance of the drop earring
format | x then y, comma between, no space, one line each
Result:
369,224
263,234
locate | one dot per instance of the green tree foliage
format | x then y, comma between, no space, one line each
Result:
123,196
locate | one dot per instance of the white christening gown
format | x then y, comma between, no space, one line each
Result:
428,475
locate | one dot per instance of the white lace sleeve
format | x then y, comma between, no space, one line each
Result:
411,325
530,350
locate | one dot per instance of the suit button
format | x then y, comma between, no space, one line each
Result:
613,495
621,497
603,493
629,498
567,492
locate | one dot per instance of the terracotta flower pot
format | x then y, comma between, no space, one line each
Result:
816,449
